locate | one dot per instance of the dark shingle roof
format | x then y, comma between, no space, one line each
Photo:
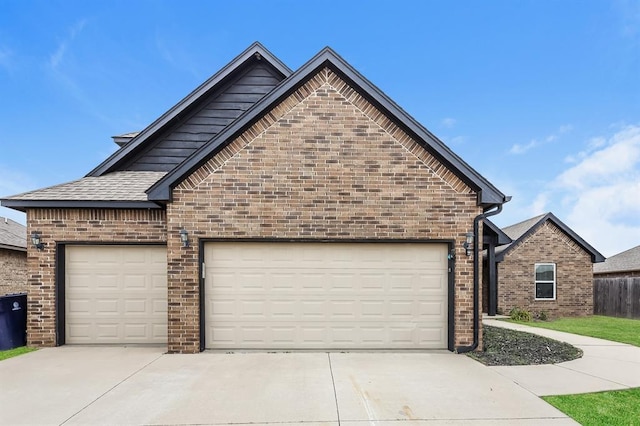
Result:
628,260
13,235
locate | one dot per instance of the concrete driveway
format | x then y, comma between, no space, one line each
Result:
134,386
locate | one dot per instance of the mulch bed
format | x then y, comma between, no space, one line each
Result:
510,347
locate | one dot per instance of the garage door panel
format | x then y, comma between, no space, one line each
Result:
329,295
108,282
116,295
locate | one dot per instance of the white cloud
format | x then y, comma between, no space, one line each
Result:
521,149
6,58
517,148
614,162
448,122
565,128
176,52
55,59
629,11
599,196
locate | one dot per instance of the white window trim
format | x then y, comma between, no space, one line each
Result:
535,282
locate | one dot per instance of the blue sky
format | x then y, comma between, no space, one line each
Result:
541,97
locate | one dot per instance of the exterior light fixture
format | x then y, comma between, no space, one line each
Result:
36,240
468,242
184,237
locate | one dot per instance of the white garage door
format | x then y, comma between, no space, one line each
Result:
325,295
116,294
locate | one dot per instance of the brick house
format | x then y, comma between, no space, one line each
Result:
269,209
13,257
546,267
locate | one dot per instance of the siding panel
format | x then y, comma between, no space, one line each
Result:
206,119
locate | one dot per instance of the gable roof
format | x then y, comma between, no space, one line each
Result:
254,52
522,230
114,190
13,235
108,186
628,260
490,227
488,195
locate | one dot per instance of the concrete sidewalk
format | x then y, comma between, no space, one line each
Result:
605,365
142,386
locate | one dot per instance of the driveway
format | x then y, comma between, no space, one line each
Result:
75,385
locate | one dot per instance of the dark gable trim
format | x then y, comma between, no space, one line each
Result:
488,195
256,50
22,205
502,238
596,256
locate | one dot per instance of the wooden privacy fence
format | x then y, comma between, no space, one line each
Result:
617,297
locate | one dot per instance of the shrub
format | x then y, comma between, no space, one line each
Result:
542,316
518,314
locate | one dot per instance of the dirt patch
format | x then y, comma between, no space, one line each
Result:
510,347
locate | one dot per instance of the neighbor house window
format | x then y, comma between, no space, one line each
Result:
545,281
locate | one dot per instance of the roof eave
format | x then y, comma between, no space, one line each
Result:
617,271
13,248
502,238
253,50
22,205
488,195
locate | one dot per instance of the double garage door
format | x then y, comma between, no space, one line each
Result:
325,295
267,295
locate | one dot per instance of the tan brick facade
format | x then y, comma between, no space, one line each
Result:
322,165
574,275
13,271
81,226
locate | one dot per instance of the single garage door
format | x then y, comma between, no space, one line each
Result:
116,294
325,295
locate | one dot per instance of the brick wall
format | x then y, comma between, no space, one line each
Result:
323,164
76,225
574,275
13,271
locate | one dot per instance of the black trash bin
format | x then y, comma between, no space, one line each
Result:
13,321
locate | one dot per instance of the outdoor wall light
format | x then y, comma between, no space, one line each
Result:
184,237
36,241
468,242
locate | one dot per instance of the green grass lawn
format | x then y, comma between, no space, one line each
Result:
621,330
601,408
10,353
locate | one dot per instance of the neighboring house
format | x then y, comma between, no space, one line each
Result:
269,209
546,268
13,257
621,265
